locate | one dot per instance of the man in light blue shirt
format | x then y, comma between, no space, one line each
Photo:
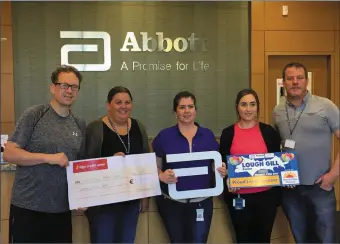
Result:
306,123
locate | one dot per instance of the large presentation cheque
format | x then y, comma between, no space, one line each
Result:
114,179
257,170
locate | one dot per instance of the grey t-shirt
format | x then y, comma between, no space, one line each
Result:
312,134
40,129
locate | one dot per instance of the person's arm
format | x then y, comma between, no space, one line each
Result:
168,176
333,115
335,170
14,154
333,119
225,143
14,151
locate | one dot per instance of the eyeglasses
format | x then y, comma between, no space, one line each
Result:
65,86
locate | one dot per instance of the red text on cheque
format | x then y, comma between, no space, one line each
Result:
90,165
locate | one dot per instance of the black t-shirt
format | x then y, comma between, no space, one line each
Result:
112,144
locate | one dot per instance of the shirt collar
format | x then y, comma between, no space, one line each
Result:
199,130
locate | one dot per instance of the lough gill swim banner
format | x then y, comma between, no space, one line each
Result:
257,170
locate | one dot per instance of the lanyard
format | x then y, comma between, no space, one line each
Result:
127,150
288,120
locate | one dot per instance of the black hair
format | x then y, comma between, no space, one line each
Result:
180,95
65,69
115,90
295,65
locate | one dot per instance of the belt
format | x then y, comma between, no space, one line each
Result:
190,200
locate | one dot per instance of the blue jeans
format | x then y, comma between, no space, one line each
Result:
310,211
180,219
114,223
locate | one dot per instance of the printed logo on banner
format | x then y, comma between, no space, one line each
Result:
90,165
289,177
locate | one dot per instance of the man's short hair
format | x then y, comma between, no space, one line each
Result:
65,69
295,65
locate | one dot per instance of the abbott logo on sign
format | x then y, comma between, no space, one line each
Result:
86,48
181,157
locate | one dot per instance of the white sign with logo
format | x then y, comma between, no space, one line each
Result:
182,157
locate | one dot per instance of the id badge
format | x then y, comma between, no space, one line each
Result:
289,144
239,203
200,214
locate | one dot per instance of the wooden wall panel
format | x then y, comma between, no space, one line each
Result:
281,227
142,235
6,179
6,50
4,231
80,229
337,26
337,51
262,119
299,41
7,128
221,230
6,13
257,83
285,240
219,202
7,98
257,15
321,15
6,78
257,55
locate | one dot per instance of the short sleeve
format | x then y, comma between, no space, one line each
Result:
25,126
157,145
333,115
214,144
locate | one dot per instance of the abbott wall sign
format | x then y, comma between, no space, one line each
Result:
137,42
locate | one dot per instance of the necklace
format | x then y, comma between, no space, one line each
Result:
127,149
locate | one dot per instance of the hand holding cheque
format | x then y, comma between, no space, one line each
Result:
113,179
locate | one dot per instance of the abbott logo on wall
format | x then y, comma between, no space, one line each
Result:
148,44
86,48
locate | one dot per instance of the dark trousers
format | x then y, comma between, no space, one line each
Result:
311,212
114,223
254,223
180,219
27,226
